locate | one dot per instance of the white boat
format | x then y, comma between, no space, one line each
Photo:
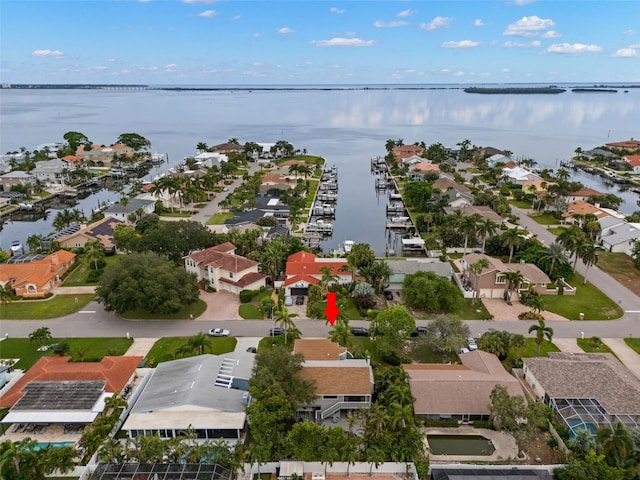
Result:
26,206
16,248
348,245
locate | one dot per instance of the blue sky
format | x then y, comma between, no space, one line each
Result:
318,42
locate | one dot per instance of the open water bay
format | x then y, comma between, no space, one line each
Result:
345,126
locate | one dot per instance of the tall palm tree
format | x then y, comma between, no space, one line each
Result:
589,255
341,333
328,278
514,279
93,252
616,443
469,226
476,268
486,229
542,331
40,336
555,252
285,320
512,238
197,343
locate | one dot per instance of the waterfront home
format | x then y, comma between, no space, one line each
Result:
59,398
122,211
584,194
598,153
485,212
412,160
420,169
617,235
575,212
402,267
454,198
492,282
304,269
101,230
405,151
220,268
227,148
518,175
211,159
50,172
36,278
459,391
16,177
103,156
629,146
633,161
493,160
585,390
206,393
341,385
444,183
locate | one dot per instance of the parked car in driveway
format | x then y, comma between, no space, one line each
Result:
288,301
219,332
360,332
416,332
299,300
276,331
471,343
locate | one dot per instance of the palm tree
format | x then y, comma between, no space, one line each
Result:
202,147
476,268
542,332
486,229
555,252
40,336
514,279
589,255
341,333
197,343
328,278
6,296
616,443
93,252
468,226
285,320
512,238
33,242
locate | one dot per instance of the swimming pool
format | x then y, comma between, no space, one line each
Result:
475,445
41,446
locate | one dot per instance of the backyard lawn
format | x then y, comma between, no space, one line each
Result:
78,277
422,353
168,348
588,300
621,267
56,306
189,312
219,218
87,349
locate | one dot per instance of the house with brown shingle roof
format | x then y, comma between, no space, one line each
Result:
459,391
304,269
492,282
36,278
583,194
468,210
405,151
219,267
101,230
585,390
320,349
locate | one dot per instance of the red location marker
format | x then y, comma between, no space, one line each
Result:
332,310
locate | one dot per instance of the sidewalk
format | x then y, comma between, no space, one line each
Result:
626,354
141,346
73,290
567,345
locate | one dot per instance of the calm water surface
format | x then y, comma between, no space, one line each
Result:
346,127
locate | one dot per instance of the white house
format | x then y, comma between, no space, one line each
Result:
519,175
617,235
50,171
634,161
210,159
122,212
412,160
220,268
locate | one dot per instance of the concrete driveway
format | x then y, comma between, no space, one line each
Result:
502,311
220,306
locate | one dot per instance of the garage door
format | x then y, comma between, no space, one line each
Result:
299,291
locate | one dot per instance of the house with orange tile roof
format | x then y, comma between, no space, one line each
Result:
58,391
103,156
576,211
37,277
219,267
419,170
304,269
633,161
631,145
101,230
405,151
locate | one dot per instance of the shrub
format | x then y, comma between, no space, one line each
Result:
483,424
246,296
61,349
441,422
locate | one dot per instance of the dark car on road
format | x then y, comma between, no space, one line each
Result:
252,350
360,332
299,300
276,331
416,332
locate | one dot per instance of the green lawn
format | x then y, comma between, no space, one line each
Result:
189,312
268,343
184,214
351,310
556,230
219,218
250,312
313,186
167,348
89,349
530,348
464,309
545,219
56,306
78,277
422,353
621,267
520,204
593,345
588,300
632,342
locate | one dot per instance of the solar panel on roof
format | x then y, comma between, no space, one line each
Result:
68,395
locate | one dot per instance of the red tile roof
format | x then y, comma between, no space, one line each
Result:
37,272
246,280
116,371
587,192
633,160
305,264
222,256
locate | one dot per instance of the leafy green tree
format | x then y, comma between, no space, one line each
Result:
75,139
133,140
6,296
146,282
341,333
175,240
496,342
93,252
541,332
428,291
393,326
447,334
364,295
40,336
582,443
592,466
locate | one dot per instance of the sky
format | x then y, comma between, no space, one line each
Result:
210,42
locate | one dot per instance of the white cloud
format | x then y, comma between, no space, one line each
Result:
573,48
458,74
636,46
406,13
460,44
528,26
625,53
285,30
256,35
436,23
47,53
535,43
170,67
506,70
194,2
236,18
631,31
478,22
522,2
551,34
339,11
394,24
208,13
343,42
